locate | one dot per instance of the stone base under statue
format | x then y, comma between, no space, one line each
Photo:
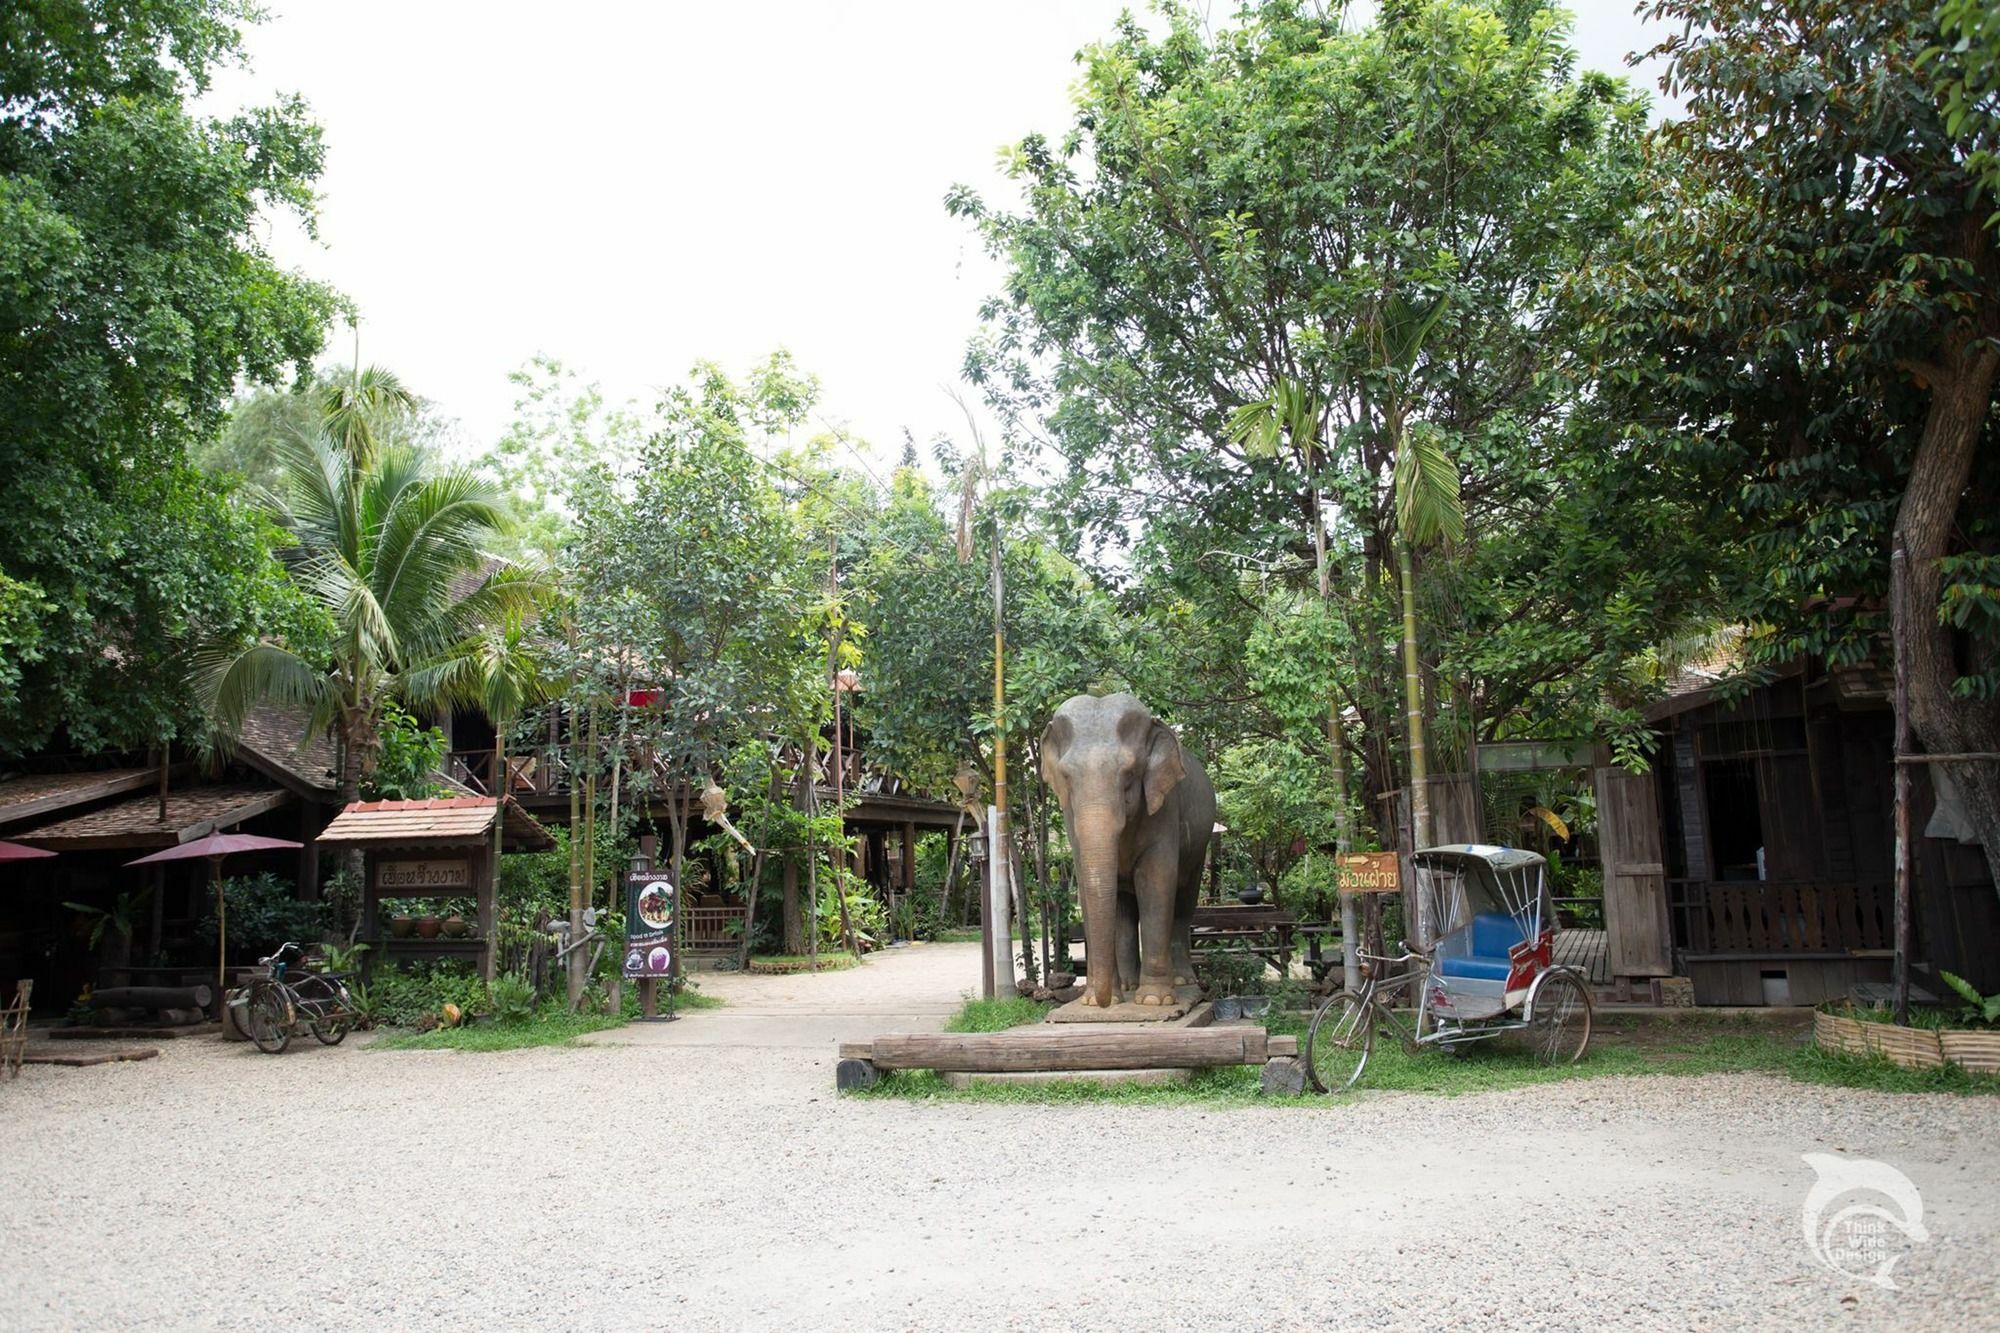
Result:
1127,1010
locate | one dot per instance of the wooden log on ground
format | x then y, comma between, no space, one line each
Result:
1073,1048
153,997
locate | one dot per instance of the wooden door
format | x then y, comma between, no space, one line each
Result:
1637,938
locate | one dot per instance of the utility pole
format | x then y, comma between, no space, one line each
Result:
839,759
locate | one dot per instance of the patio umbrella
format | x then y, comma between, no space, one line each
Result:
14,851
214,847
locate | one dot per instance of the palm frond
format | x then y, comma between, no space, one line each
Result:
1428,506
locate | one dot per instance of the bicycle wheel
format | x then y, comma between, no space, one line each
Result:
267,1020
330,1023
1339,1041
1559,1032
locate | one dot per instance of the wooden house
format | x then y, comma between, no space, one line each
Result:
1766,857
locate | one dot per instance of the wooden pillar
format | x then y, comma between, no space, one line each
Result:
486,871
909,856
308,853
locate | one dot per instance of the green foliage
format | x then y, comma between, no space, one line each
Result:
265,911
1230,972
548,1027
406,996
864,910
120,919
382,539
136,293
513,998
1010,1011
562,430
1975,1008
407,763
1966,64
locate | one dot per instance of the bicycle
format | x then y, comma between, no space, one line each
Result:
272,1008
1342,1034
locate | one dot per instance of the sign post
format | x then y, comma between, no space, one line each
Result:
1372,873
652,946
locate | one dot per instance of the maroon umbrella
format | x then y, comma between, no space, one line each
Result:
14,851
214,847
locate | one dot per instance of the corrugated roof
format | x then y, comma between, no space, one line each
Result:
42,794
136,822
438,819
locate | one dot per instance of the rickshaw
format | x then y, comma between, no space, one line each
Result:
1489,970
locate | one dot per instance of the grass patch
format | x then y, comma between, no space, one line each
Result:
958,935
1621,1047
786,964
545,1029
996,1015
690,999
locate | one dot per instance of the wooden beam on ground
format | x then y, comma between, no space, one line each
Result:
1072,1049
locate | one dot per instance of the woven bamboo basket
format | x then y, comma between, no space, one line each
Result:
1912,1048
1976,1051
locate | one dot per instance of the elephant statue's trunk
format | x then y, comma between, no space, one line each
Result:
1094,836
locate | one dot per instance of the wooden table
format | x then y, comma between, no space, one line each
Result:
1264,930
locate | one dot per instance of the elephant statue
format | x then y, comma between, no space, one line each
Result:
1139,810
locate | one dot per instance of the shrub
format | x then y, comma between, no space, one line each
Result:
513,998
404,998
264,912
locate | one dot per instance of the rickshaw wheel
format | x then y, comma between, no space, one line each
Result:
1339,1042
1559,1033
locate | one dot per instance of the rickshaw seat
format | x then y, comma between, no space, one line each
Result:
1492,935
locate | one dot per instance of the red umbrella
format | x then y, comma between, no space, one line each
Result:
14,851
214,847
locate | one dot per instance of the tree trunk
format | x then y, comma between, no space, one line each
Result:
1925,520
1413,719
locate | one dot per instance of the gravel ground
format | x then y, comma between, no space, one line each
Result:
683,1184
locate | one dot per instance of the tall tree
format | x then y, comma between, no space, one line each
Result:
134,293
392,554
1226,236
1807,323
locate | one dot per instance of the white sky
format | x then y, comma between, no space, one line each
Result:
632,187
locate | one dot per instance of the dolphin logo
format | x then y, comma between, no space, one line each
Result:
1854,1234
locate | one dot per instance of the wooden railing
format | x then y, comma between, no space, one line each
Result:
711,929
1765,917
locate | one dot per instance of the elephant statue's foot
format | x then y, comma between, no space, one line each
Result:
1155,993
1091,999
1186,979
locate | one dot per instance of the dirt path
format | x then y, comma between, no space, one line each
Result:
695,1184
909,989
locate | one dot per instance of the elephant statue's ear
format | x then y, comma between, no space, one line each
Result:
1165,766
1054,741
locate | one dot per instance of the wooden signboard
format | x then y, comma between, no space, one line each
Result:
423,876
1369,872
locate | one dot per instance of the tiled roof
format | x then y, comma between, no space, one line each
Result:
271,740
135,821
438,819
40,795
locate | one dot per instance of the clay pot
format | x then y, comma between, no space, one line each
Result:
1250,896
402,927
455,928
428,927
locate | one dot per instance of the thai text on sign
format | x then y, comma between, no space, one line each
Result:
423,875
1370,872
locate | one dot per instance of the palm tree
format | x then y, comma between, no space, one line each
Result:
383,544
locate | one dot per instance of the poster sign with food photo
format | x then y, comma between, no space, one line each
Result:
650,904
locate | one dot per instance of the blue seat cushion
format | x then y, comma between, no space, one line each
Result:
1483,969
1493,934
